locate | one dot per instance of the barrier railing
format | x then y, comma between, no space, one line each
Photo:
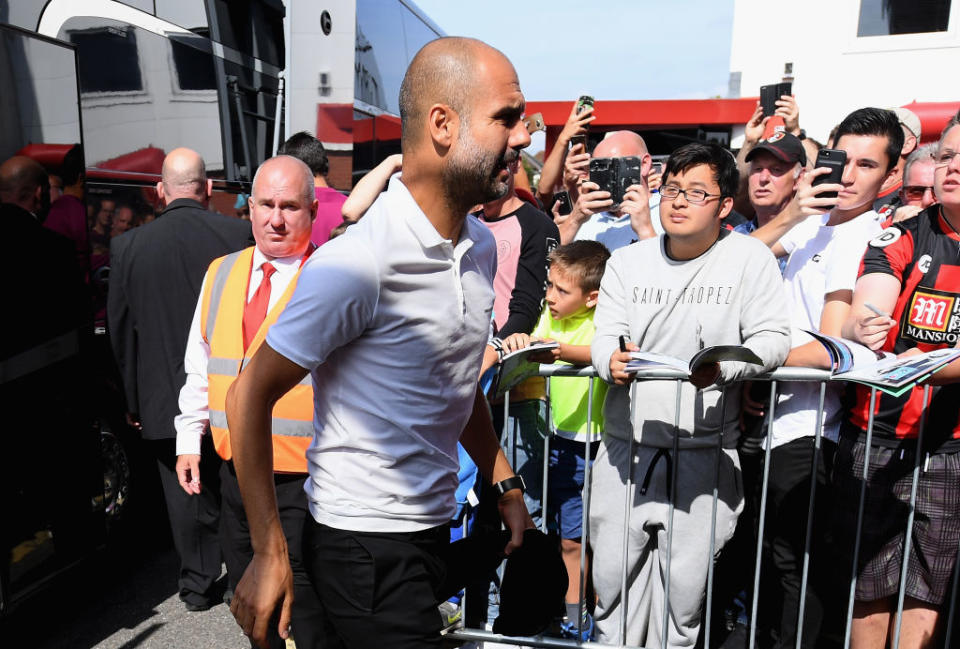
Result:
777,376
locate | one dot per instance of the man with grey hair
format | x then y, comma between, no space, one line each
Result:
390,321
155,278
242,295
917,191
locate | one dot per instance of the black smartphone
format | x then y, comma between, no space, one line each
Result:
630,172
835,160
770,94
584,102
565,206
656,167
615,175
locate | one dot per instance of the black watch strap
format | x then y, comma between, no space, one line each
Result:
515,482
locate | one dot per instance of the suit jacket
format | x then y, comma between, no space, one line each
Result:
45,296
156,272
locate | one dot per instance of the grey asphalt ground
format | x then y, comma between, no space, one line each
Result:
119,602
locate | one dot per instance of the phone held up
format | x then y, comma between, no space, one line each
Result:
769,95
615,175
565,207
584,102
833,159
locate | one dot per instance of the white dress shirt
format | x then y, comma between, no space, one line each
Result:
194,415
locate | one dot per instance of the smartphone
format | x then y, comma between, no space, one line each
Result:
769,95
603,172
656,167
615,175
584,102
835,159
565,206
534,123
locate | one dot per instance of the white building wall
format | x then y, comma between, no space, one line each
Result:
836,72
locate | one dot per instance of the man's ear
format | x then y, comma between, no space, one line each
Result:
443,124
209,188
592,298
160,197
909,144
313,210
726,206
38,198
646,163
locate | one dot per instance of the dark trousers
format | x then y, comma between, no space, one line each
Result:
237,551
194,520
791,467
381,590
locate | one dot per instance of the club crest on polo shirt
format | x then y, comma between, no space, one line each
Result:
932,317
776,137
885,238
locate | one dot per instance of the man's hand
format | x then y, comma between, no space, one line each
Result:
618,362
577,124
705,375
654,181
753,129
906,212
591,200
871,329
515,342
807,200
133,421
576,168
636,203
787,109
267,582
188,473
514,514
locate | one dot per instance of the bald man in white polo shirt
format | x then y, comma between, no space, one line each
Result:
391,321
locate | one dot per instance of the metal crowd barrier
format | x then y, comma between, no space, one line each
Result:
779,375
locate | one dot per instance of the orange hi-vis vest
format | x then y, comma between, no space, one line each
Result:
221,324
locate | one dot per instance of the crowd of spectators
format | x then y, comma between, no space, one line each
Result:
743,248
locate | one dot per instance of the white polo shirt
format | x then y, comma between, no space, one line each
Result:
823,259
391,319
615,231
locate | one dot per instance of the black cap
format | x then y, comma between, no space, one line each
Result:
783,146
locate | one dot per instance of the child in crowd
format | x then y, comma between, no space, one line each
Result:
572,287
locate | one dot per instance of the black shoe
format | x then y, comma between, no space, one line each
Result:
196,608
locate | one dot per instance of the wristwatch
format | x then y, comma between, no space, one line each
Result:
515,482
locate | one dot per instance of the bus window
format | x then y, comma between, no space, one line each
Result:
254,28
143,95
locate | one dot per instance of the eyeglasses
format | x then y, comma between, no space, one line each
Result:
916,192
945,157
693,196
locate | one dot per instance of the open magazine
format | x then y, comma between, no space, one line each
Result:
852,361
649,360
517,367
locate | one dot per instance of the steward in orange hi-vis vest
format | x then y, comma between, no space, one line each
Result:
221,324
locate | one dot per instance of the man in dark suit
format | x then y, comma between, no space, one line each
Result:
156,274
46,478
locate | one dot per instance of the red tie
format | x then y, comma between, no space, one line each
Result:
256,309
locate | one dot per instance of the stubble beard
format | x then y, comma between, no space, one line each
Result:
471,176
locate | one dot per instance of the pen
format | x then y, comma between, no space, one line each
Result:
623,343
876,310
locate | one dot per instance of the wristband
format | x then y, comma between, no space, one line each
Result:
515,482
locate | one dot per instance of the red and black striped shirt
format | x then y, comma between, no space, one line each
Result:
923,253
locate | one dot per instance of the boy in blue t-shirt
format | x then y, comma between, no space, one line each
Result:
573,285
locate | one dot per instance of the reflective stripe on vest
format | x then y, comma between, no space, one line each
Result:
222,326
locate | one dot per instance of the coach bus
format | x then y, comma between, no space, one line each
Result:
128,81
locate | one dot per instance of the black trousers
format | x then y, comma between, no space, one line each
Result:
237,551
791,467
194,520
381,590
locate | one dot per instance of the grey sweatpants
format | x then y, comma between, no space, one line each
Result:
696,473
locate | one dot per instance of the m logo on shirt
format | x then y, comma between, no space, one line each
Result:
933,317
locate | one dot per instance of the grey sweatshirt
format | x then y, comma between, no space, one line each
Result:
730,295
